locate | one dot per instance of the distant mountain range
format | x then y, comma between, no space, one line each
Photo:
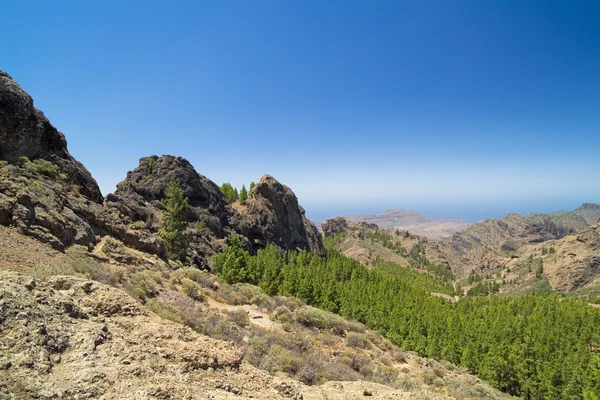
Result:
433,228
487,244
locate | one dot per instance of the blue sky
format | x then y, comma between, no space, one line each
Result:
455,108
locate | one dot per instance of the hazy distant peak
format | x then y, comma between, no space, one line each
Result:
433,228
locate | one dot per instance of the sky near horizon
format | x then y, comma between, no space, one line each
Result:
450,108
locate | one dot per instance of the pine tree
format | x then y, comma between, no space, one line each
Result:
252,185
243,194
174,221
229,192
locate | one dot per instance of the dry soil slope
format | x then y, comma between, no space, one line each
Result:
491,243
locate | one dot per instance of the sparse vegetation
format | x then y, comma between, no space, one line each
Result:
40,166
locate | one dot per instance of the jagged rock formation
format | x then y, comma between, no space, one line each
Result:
273,215
67,209
334,226
25,131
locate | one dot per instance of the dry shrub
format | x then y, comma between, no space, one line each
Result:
428,378
217,327
439,371
360,362
340,371
191,315
313,371
239,317
164,310
358,340
250,294
203,278
281,359
386,360
385,375
398,355
385,345
258,348
115,274
328,339
282,314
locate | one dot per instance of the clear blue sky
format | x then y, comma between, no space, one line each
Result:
464,108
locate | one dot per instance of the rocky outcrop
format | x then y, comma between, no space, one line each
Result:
575,261
334,226
272,214
26,132
66,208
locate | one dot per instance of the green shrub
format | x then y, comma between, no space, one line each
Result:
40,166
144,285
192,289
137,225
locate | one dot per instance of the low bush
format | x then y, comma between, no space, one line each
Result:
359,340
192,289
40,166
239,317
143,285
164,310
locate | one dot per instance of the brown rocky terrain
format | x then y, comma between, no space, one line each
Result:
489,244
569,263
431,228
66,336
91,307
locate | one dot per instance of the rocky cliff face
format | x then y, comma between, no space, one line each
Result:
67,208
272,214
490,244
26,132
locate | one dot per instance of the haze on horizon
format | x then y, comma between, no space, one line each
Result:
467,108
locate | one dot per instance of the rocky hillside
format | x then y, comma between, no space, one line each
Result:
432,228
47,194
571,263
117,323
91,307
26,132
490,243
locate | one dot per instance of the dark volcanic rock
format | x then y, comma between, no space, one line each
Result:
273,215
63,211
334,226
26,132
149,180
